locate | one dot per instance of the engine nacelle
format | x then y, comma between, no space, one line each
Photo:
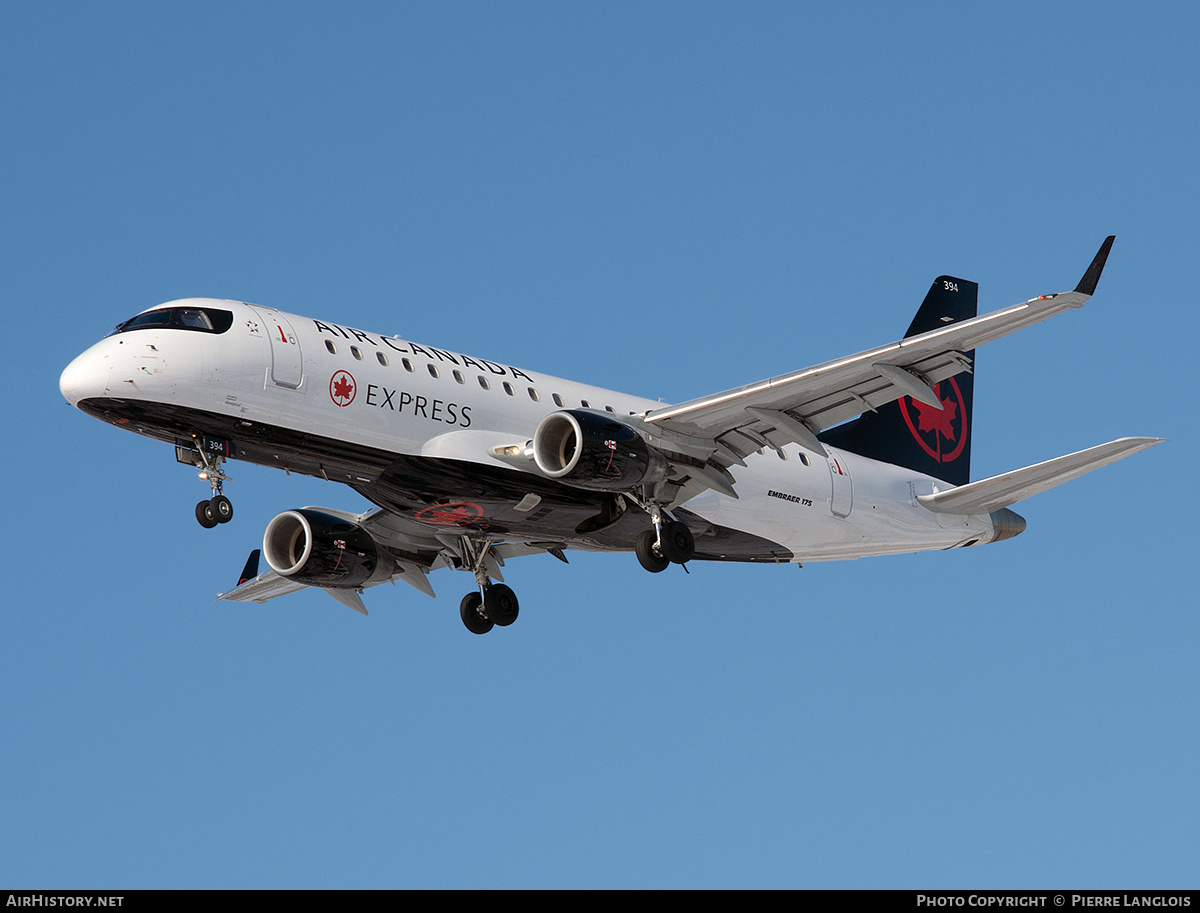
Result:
594,451
323,550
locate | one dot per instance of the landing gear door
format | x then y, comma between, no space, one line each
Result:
287,362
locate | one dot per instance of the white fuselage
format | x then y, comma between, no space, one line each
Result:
308,377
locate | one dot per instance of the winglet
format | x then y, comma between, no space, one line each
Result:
1087,285
250,571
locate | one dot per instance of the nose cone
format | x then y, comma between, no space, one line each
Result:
85,377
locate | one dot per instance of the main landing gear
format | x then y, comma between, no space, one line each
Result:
493,603
496,605
218,508
669,542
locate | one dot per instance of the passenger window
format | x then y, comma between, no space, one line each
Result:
356,353
558,400
382,358
483,382
330,347
407,365
533,395
508,388
433,371
458,376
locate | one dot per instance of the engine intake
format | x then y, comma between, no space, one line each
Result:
323,550
595,451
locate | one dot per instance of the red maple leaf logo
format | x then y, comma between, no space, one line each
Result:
939,420
939,423
461,513
341,388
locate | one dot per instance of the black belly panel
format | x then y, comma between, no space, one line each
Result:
444,494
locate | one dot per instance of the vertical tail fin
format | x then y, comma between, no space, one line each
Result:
913,434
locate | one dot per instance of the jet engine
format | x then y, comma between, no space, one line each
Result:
322,550
591,450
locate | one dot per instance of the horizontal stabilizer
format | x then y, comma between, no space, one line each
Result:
1000,491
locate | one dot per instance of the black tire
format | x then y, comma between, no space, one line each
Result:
647,553
205,515
678,545
500,603
222,508
472,617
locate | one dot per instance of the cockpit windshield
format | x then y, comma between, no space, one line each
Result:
205,320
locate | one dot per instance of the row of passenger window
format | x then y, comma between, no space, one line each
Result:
458,376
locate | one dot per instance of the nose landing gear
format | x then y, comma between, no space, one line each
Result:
218,508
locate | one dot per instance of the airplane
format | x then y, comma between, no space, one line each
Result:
472,462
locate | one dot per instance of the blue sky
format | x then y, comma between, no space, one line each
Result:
670,199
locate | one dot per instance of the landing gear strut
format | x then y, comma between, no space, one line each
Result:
493,603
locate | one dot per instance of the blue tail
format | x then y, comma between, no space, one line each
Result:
912,434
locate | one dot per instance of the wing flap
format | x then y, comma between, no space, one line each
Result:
1000,491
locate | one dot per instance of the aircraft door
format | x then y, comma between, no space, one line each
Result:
841,499
287,362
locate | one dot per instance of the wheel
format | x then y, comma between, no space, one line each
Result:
500,603
204,513
222,508
677,542
648,554
471,610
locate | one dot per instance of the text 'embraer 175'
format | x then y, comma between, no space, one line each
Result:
473,462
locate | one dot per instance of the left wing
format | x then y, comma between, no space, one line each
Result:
255,587
794,407
414,549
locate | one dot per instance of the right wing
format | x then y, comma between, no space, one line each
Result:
794,407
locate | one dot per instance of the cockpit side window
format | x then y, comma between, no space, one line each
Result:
204,320
194,319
